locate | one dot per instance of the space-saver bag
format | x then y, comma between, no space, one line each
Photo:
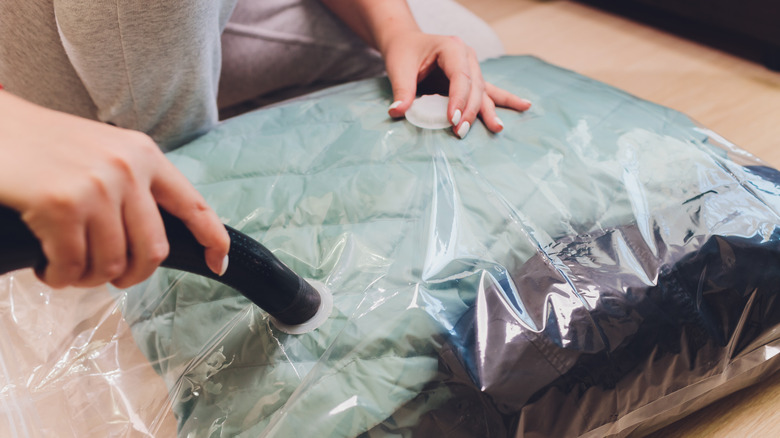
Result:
601,267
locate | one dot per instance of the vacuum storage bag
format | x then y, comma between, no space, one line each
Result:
601,267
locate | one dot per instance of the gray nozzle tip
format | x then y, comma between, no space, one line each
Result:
324,311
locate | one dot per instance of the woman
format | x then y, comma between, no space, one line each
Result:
95,89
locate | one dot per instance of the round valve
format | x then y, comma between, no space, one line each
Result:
429,112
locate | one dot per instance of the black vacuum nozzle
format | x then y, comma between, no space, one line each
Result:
253,270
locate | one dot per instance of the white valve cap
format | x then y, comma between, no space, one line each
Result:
429,112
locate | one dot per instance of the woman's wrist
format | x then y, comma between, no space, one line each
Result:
385,30
377,22
388,20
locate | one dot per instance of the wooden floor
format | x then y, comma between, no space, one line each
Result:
734,97
737,98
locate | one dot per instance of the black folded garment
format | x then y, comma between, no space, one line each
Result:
614,333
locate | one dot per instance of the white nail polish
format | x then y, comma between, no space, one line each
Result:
499,121
464,129
395,105
456,117
225,262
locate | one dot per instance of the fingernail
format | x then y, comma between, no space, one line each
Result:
395,105
224,267
464,129
456,117
499,122
527,102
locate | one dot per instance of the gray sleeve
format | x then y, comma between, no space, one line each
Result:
33,64
152,66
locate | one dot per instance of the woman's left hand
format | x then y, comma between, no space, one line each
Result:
411,56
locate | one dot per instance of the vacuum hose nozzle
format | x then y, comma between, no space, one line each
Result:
253,270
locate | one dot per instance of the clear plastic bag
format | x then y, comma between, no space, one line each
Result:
599,268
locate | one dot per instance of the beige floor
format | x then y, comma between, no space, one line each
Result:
736,98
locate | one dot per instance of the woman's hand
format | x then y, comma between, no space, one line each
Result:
412,56
90,193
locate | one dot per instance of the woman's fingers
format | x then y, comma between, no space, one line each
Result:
412,57
107,247
175,194
453,61
148,243
476,92
65,247
493,97
506,99
402,73
488,114
470,96
99,206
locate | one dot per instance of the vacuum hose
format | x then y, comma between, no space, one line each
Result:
253,270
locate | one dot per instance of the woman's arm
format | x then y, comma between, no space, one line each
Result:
411,55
